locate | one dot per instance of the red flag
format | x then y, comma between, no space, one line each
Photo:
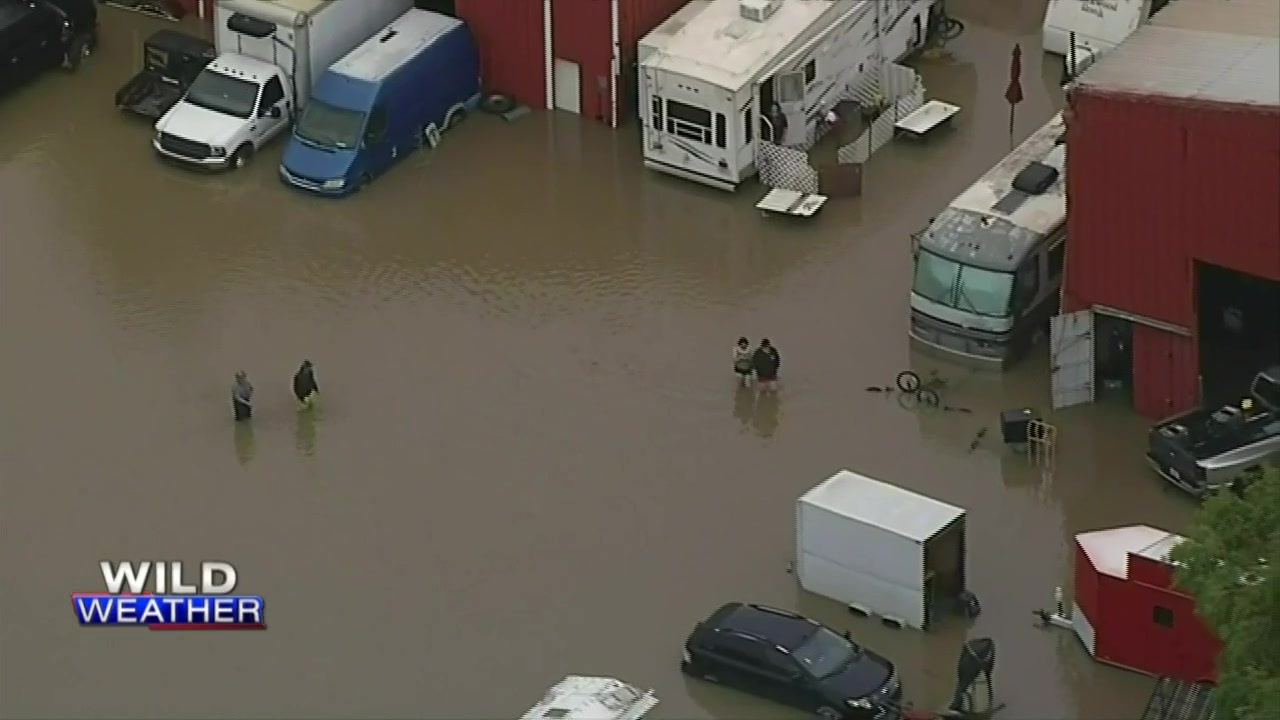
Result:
1014,92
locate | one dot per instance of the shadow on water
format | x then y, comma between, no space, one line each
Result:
767,414
305,437
245,444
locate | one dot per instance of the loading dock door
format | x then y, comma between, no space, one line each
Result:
1071,358
568,86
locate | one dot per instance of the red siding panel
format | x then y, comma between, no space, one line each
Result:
583,33
1166,376
1086,586
510,36
637,17
1153,184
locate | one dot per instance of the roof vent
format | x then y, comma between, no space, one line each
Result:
1035,178
390,34
758,10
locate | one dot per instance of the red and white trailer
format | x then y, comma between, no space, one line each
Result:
1127,611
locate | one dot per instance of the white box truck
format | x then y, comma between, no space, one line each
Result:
880,549
269,54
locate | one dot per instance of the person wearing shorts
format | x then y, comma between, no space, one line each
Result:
742,361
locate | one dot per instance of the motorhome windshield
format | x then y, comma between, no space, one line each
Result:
329,125
963,287
228,95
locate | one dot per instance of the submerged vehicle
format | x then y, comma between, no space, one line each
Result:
989,266
587,697
36,35
170,62
1206,450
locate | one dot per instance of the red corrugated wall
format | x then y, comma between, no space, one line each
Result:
638,17
510,35
1166,374
1154,183
584,34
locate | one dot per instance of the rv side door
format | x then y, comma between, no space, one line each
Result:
791,90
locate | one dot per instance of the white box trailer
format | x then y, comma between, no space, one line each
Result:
1096,25
722,75
584,697
880,549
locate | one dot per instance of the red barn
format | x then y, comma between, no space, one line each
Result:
1173,264
1127,612
571,55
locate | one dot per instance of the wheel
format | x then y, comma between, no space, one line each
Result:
430,136
907,381
929,397
455,117
79,49
829,713
497,103
363,182
240,157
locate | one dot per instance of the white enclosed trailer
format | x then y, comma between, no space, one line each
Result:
880,549
583,697
722,75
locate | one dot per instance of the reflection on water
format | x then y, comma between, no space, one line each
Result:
530,443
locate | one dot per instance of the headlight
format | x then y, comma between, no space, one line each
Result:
858,703
218,151
336,184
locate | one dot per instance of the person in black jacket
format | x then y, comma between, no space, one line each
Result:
242,397
766,361
304,384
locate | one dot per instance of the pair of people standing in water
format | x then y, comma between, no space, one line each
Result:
305,390
762,363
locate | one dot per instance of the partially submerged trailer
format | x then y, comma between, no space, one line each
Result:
880,549
584,697
721,76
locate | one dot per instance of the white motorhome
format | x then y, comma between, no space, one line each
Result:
270,52
1096,26
720,76
591,697
989,267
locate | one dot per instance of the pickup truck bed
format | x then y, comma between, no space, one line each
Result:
149,95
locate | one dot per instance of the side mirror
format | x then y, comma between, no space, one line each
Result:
275,112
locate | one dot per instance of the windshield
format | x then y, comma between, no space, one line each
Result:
1268,391
223,93
964,287
824,653
330,126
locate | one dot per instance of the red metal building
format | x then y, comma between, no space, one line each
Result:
568,55
1127,612
1174,143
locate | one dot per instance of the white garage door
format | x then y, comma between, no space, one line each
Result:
568,88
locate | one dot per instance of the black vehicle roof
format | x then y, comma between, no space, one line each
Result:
11,11
179,42
776,626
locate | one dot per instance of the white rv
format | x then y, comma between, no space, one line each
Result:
720,76
1095,25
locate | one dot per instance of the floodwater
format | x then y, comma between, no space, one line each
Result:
530,459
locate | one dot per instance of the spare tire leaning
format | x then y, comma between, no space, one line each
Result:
497,103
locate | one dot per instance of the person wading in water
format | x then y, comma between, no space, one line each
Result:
766,361
304,384
242,397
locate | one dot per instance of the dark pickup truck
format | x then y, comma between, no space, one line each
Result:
170,61
1203,451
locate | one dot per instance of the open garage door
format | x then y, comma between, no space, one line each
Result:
1071,358
1238,328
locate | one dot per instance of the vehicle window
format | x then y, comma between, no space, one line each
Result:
329,126
1027,283
747,124
377,126
740,650
272,93
1057,260
780,663
936,277
790,87
720,130
825,653
657,116
984,292
689,121
810,71
223,93
1267,391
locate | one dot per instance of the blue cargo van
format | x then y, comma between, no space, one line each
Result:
398,91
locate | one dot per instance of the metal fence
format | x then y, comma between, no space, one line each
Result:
786,168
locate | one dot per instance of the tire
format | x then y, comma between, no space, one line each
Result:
497,103
363,182
429,137
240,157
79,49
907,381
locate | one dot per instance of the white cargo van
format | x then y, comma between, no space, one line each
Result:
1096,25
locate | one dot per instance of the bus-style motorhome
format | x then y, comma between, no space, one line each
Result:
988,268
720,76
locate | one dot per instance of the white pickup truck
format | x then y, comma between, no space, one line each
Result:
269,54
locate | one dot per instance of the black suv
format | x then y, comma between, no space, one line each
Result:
36,35
792,660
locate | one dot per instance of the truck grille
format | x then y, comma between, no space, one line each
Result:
186,148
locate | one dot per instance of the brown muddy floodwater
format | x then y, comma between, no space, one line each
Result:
530,460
